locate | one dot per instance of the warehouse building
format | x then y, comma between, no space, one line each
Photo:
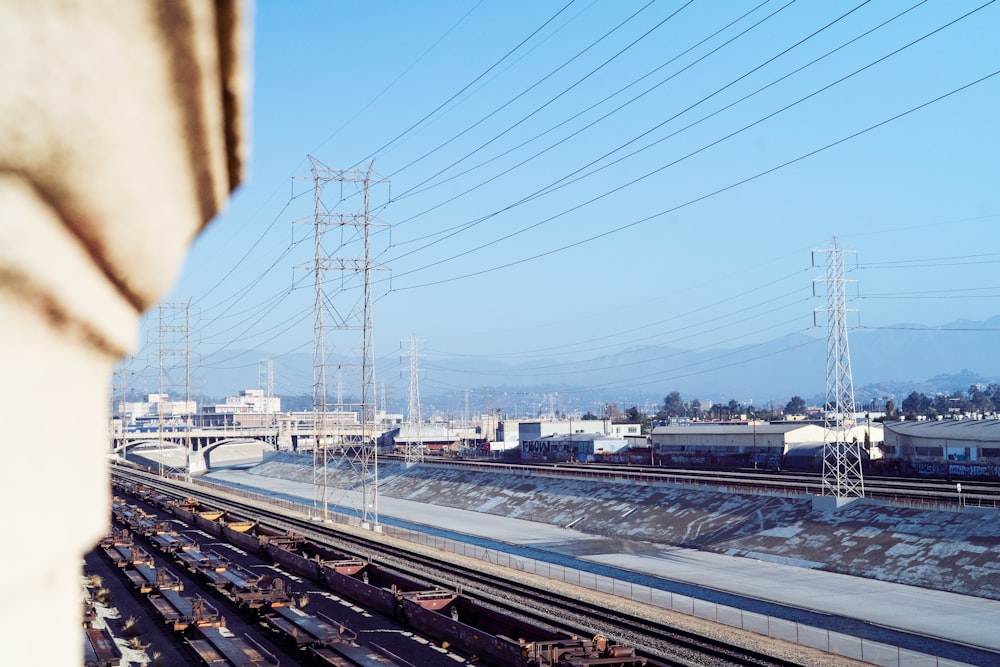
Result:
571,447
738,445
968,448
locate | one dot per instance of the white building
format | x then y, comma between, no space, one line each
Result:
523,430
156,405
248,401
570,439
627,430
752,444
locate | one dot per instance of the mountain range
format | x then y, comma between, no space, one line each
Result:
887,362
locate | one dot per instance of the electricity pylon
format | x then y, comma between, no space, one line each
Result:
842,474
344,311
414,452
174,341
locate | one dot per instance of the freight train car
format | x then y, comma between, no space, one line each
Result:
99,649
220,647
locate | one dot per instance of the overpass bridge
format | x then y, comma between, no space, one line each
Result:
192,448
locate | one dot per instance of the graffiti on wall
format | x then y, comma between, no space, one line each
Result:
958,470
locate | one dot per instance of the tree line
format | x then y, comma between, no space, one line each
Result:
978,399
674,406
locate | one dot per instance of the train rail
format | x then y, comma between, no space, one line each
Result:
537,606
911,491
386,591
198,619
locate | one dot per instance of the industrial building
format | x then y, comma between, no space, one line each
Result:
968,448
779,445
572,447
431,438
248,401
567,439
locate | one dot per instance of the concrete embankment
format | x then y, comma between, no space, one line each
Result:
956,551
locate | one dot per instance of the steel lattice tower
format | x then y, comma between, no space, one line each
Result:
414,446
346,310
174,341
842,474
119,396
265,381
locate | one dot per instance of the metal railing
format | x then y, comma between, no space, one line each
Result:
836,643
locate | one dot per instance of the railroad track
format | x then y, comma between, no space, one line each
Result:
212,571
664,645
670,646
900,489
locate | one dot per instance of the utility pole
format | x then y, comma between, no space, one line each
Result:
265,380
187,379
346,310
842,473
159,400
119,390
414,452
385,408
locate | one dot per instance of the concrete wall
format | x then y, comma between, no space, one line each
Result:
120,137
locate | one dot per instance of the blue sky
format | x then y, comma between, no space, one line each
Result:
566,180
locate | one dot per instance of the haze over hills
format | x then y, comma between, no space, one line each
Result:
888,362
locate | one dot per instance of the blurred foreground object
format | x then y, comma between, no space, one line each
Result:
121,136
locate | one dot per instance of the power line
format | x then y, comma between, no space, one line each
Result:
688,328
691,154
552,186
533,86
922,297
549,373
248,313
925,263
922,292
563,182
250,327
398,77
217,336
684,204
930,329
294,323
463,89
672,376
940,223
246,254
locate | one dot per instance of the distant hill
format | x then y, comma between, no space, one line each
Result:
887,362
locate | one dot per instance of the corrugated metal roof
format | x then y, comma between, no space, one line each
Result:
580,437
953,429
426,433
727,429
803,448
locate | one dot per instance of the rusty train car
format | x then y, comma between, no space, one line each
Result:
479,630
